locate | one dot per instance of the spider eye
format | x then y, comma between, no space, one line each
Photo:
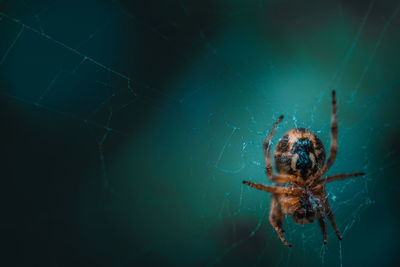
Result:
301,215
305,213
310,213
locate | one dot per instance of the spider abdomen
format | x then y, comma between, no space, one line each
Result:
299,152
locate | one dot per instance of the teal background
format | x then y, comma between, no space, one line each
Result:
128,127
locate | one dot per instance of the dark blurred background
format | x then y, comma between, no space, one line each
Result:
128,126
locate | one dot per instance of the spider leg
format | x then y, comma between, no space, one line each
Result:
273,189
331,218
267,155
334,136
322,224
283,178
276,219
341,177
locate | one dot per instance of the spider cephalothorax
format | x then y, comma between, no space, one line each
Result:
300,162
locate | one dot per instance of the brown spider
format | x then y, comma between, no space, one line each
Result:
300,162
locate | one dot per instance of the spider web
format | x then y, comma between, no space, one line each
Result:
169,103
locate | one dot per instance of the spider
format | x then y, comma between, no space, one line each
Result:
300,162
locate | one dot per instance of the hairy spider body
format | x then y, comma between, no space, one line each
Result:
300,162
299,152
